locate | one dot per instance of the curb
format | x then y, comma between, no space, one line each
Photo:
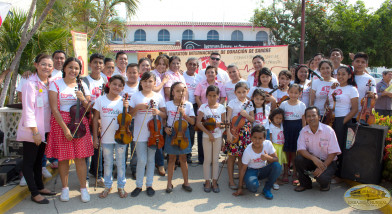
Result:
386,209
18,194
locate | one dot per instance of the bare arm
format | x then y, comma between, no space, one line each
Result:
354,110
312,97
57,115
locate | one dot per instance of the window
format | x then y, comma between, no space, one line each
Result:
140,35
262,36
237,36
163,35
116,37
212,35
187,35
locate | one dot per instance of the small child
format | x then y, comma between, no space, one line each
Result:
284,82
277,138
256,156
261,109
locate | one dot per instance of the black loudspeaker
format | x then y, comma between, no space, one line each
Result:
363,161
10,170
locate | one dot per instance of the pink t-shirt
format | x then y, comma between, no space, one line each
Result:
320,144
201,89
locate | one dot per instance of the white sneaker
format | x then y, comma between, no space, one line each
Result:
22,182
84,195
46,173
276,186
64,194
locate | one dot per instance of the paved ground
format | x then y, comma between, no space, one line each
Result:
285,200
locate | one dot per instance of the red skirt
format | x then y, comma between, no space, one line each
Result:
61,148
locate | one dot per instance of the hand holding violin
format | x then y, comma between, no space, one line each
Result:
168,130
67,134
141,106
80,96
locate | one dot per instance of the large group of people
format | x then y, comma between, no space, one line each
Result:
267,124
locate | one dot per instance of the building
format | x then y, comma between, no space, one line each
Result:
149,36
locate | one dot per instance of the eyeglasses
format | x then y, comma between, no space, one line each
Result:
213,58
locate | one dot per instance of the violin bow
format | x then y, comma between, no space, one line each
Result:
99,154
137,139
227,155
178,107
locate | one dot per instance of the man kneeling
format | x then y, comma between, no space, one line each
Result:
317,149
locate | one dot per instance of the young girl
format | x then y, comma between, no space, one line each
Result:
142,112
277,139
212,140
320,89
235,77
244,107
346,105
302,78
177,93
106,109
261,110
284,83
255,168
265,84
294,121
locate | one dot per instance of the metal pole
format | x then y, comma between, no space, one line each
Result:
302,48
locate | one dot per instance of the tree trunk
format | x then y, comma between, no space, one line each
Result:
23,42
99,24
14,79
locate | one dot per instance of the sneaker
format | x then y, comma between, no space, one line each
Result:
84,195
46,173
150,191
64,194
267,194
22,182
276,186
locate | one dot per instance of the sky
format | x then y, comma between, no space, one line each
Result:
195,10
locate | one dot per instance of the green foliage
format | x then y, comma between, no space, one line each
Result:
330,24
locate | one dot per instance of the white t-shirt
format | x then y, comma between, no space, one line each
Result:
56,75
262,88
305,93
22,81
314,76
213,113
95,87
191,83
251,80
139,98
322,89
237,106
343,99
362,81
108,110
280,94
293,112
262,119
117,71
253,159
277,135
104,76
171,111
222,77
230,87
67,94
130,90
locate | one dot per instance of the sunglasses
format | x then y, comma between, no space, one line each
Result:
213,58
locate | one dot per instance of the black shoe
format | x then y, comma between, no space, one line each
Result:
136,192
133,175
150,191
47,193
43,201
187,188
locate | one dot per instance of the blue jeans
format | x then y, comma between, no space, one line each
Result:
252,176
44,160
108,151
145,157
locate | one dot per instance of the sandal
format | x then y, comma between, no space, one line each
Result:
122,193
105,193
295,181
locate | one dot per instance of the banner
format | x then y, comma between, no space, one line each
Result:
276,57
79,41
208,44
4,8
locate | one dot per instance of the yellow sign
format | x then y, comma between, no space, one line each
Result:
276,57
79,41
367,197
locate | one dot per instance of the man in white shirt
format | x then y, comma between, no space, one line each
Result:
121,64
336,57
59,58
108,68
222,76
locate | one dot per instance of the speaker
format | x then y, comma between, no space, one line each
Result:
363,161
10,170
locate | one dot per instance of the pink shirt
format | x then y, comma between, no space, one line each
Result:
173,77
320,144
201,89
36,110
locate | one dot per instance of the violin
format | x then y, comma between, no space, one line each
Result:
123,133
154,126
329,114
273,90
210,124
180,128
236,124
366,116
77,112
284,98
